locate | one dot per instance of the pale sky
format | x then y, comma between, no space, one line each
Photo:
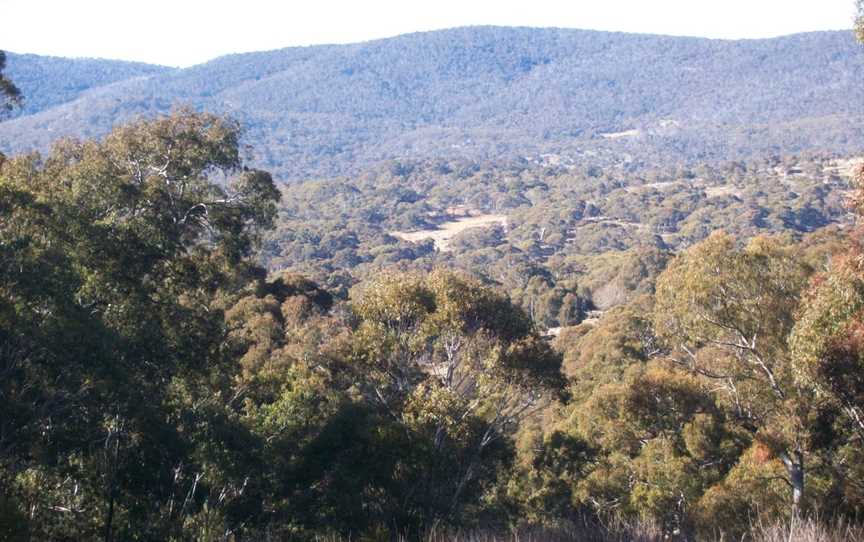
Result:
186,32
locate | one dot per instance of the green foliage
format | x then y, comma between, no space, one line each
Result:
827,351
826,342
10,95
727,313
706,427
661,442
716,294
572,242
459,366
114,253
599,352
158,385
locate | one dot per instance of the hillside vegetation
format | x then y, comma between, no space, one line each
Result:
481,93
50,81
159,385
515,288
551,233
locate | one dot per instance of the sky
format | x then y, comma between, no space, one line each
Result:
187,32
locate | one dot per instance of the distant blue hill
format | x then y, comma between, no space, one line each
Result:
480,92
48,81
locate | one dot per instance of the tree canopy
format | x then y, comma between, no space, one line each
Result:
9,93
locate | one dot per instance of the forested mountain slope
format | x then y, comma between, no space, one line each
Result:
48,81
488,92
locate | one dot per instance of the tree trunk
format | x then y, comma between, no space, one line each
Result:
795,470
109,515
112,458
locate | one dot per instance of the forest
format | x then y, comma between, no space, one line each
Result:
191,349
477,93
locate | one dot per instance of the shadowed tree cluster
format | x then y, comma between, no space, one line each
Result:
9,94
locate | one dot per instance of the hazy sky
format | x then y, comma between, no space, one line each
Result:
185,32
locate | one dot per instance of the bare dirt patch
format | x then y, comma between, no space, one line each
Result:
847,167
619,135
720,191
445,231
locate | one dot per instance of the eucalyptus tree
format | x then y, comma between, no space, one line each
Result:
114,253
726,314
458,366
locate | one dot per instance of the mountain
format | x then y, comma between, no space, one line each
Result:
480,93
48,81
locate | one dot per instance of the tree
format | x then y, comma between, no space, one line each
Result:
458,366
114,256
10,96
660,442
726,313
653,440
827,342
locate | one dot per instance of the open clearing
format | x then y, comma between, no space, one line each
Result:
447,230
847,167
723,190
619,135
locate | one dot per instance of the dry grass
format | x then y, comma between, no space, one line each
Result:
808,530
448,230
588,532
801,530
724,190
539,535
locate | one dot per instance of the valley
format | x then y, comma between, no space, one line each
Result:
476,284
